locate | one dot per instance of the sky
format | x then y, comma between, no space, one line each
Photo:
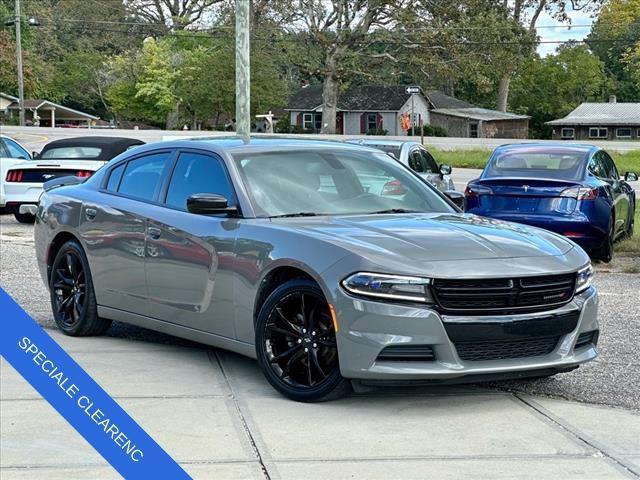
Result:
552,30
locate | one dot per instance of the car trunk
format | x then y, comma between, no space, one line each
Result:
530,196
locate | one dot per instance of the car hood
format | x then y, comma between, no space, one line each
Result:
419,238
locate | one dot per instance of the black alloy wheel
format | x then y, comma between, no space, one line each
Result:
296,343
72,298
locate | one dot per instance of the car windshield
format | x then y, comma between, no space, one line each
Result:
563,164
78,152
340,182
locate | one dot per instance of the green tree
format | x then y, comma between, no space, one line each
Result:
615,39
550,87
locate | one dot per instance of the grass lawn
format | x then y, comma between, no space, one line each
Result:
628,161
630,247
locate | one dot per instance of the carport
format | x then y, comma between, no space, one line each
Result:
44,113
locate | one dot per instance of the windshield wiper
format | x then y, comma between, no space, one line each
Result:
395,210
297,214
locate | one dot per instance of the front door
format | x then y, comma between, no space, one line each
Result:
340,123
189,256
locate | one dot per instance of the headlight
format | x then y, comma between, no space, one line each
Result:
583,279
395,287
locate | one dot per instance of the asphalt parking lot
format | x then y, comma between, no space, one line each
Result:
214,413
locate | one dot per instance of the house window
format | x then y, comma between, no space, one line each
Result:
567,133
623,132
318,122
473,130
597,132
372,121
307,121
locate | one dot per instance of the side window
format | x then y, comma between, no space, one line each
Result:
431,166
415,161
114,178
15,150
142,176
596,166
611,166
3,150
197,173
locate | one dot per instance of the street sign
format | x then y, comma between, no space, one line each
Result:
413,89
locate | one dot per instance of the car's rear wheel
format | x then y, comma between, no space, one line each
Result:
605,252
296,344
25,217
72,297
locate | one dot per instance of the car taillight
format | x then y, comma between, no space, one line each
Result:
476,190
14,176
84,173
393,187
580,193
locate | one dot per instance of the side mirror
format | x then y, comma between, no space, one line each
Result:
631,177
455,197
34,154
445,169
208,204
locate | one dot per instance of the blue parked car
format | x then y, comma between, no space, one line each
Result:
573,190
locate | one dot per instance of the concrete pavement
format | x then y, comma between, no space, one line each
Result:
215,414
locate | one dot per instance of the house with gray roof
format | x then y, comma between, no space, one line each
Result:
372,108
599,121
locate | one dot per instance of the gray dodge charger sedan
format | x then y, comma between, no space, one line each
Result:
282,251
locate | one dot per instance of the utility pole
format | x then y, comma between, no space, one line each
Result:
243,70
19,63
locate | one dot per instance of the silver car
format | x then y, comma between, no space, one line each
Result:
276,250
415,156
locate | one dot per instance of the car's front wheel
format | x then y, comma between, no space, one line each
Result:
296,344
73,301
25,217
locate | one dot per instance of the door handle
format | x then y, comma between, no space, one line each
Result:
154,232
90,213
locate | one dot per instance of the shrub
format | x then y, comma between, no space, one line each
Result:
430,131
377,131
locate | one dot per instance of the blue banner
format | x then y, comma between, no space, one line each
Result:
79,399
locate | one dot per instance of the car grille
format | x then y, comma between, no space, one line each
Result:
501,350
504,295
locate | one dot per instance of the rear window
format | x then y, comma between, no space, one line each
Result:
72,152
390,149
561,164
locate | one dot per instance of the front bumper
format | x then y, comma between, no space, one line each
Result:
367,327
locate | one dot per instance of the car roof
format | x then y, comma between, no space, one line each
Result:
387,143
111,146
236,144
581,147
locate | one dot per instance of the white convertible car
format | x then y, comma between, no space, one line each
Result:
11,152
80,156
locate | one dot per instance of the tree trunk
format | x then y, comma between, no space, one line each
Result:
173,117
503,92
329,104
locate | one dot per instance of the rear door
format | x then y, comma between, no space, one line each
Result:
10,154
190,257
114,228
621,200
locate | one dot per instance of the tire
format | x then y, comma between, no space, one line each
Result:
73,301
24,217
294,315
605,252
